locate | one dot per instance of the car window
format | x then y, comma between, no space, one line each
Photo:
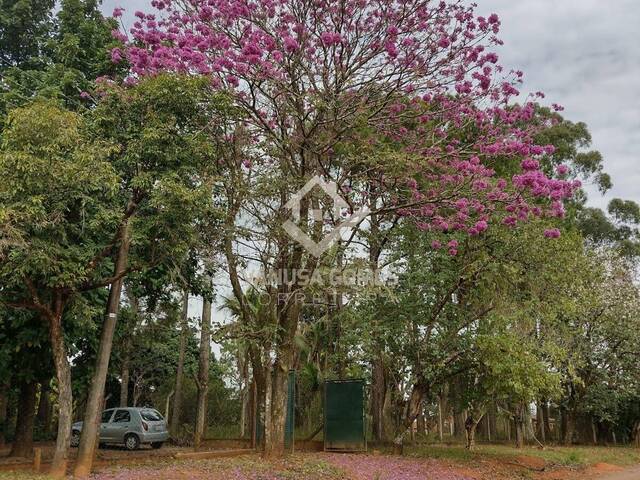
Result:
122,416
150,415
106,415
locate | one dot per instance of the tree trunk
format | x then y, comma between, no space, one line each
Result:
93,409
65,397
492,420
594,432
44,407
276,411
440,419
636,433
203,373
458,424
378,393
569,426
124,380
540,426
4,403
177,397
519,433
265,411
471,425
421,426
519,421
23,441
127,345
166,405
243,410
418,392
253,413
258,394
546,419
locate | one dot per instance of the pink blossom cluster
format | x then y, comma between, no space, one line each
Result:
421,72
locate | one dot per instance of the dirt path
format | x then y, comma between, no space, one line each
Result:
631,474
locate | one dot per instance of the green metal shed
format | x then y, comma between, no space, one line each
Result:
344,416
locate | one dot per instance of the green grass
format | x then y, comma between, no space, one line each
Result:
20,476
556,455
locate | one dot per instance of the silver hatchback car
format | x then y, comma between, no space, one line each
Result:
130,427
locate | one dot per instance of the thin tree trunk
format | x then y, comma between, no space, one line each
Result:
493,421
540,427
569,424
265,412
65,397
253,412
23,441
519,434
594,433
243,411
44,406
378,393
127,344
4,403
545,419
177,397
471,426
203,373
458,424
421,426
440,419
124,380
93,409
166,405
636,433
519,422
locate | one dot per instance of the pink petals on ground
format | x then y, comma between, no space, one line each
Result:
387,467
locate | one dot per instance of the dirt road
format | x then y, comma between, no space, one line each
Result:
631,474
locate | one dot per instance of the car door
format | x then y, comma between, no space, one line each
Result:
105,433
120,425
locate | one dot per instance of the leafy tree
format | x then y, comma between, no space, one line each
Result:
308,77
54,54
23,25
59,198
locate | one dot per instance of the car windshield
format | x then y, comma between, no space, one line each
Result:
106,415
151,415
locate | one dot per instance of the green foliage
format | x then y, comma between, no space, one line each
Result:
23,25
58,199
53,54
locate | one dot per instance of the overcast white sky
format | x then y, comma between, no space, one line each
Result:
585,55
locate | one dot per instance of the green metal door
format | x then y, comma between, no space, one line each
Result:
344,421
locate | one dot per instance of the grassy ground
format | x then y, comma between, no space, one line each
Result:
563,456
420,462
251,467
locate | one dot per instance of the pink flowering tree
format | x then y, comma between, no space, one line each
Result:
401,102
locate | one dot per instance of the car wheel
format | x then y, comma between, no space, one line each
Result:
156,445
131,442
75,438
